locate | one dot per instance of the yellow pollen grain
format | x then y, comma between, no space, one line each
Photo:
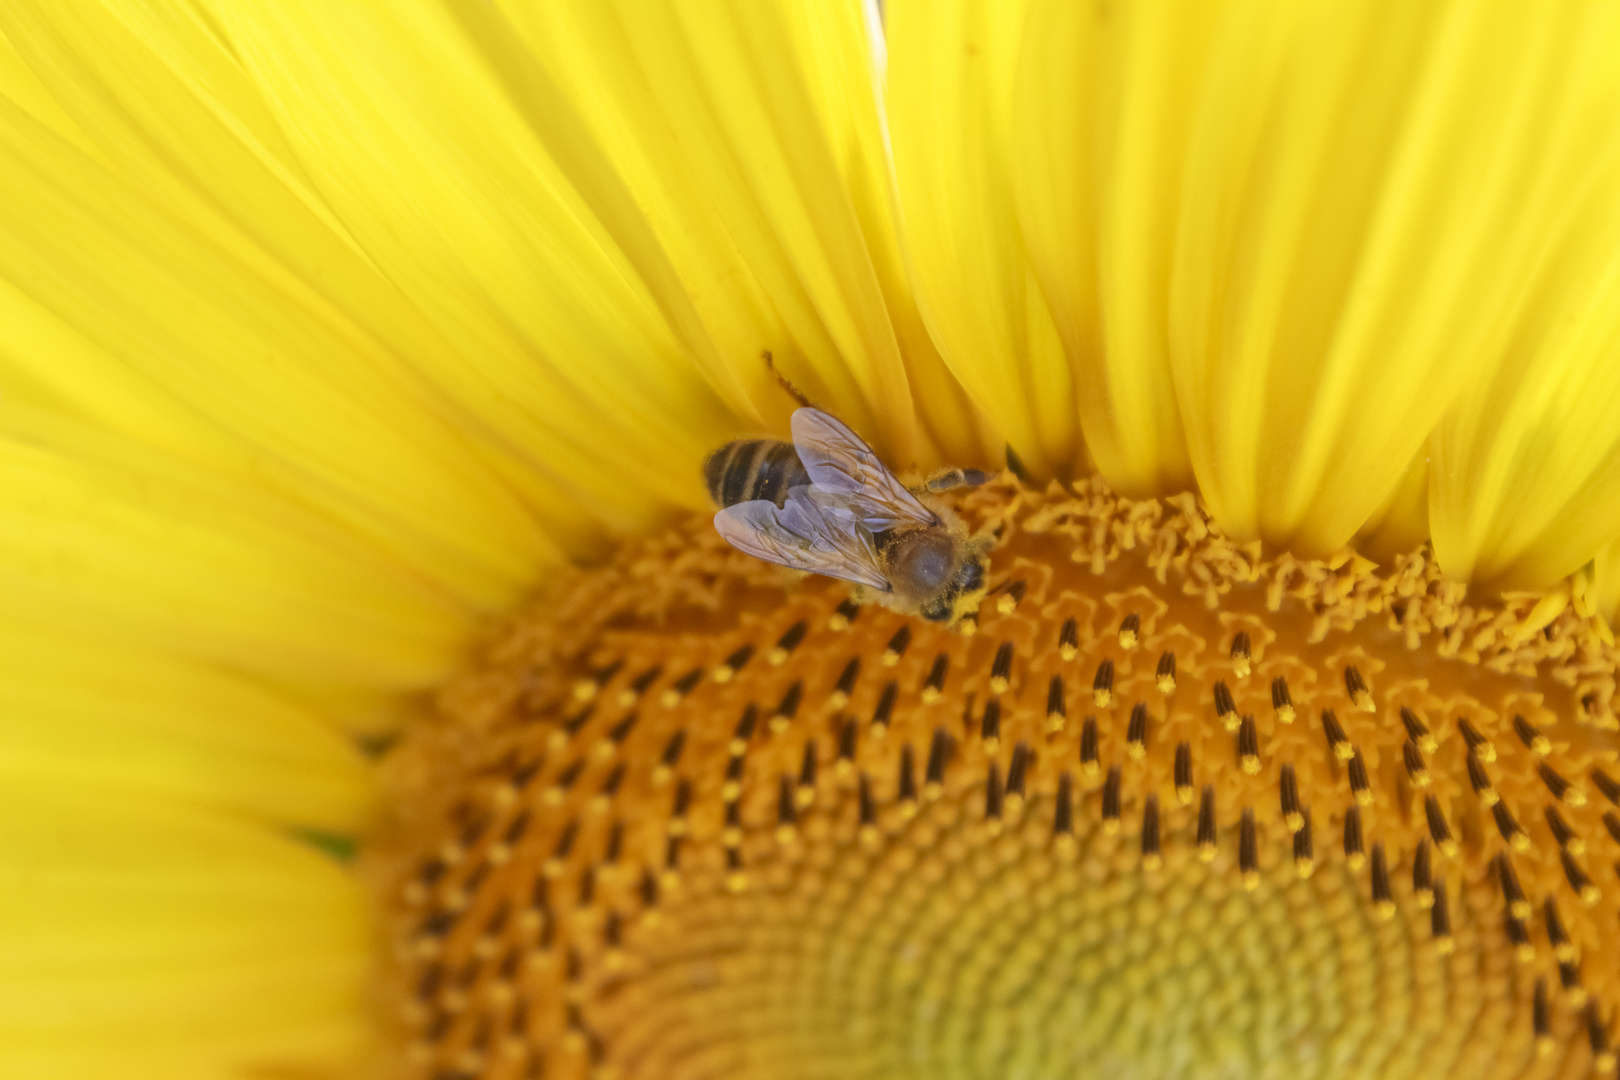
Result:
694,816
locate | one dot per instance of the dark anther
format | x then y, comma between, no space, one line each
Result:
622,728
1555,783
524,773
1562,833
807,767
868,806
790,640
1224,705
1612,823
1068,638
1288,792
992,793
1422,872
1338,742
990,728
516,828
1540,1012
572,724
1417,730
1130,629
1478,778
1557,936
1504,821
610,786
1136,731
1353,849
1577,877
1015,592
1478,743
1110,795
649,889
1382,897
672,853
1438,829
745,725
939,752
1063,816
1360,786
673,748
639,684
683,798
615,843
570,773
1356,687
846,741
1240,645
587,886
1103,684
885,705
1416,768
1512,891
1001,668
1440,913
936,674
1606,784
1017,768
786,811
1088,744
1281,700
565,840
1596,1037
1206,819
1165,676
908,775
1303,853
897,644
1248,846
848,609
1248,745
1150,828
1183,772
846,679
684,684
1054,697
1528,734
790,700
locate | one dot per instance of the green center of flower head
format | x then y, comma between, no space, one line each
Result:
1165,806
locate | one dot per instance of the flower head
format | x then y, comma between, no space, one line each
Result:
333,333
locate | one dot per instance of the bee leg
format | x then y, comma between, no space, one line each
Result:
955,478
793,391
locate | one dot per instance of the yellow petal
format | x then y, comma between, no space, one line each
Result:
104,539
142,939
752,194
265,380
1373,186
1096,133
951,74
1527,463
100,718
557,350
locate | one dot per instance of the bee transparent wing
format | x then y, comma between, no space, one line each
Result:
812,532
839,462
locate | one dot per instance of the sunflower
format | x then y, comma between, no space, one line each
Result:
378,697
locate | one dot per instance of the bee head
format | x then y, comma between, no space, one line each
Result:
943,571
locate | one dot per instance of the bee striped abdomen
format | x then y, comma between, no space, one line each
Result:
753,469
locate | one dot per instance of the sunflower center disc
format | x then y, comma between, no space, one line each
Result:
1167,807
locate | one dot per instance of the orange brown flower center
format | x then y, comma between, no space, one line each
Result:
1166,807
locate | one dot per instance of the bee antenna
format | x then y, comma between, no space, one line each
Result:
793,391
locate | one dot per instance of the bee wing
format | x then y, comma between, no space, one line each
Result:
812,532
839,462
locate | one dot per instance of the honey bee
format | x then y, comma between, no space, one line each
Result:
826,504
